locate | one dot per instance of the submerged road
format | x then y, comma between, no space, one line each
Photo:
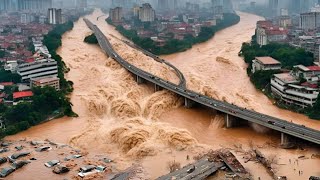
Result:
230,109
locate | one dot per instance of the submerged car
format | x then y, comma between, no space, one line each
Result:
19,164
76,156
90,169
44,148
52,163
4,172
3,160
16,156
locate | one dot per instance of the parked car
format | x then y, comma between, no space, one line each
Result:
15,156
72,157
4,172
19,164
2,150
44,148
3,160
52,163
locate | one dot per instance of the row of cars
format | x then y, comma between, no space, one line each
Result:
83,171
15,163
56,166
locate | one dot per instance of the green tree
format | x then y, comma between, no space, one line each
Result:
91,39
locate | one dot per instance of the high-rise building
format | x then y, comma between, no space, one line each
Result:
227,6
135,11
8,5
26,18
146,13
217,8
175,4
81,3
215,3
37,5
300,6
123,3
4,5
274,6
163,4
310,20
116,14
54,16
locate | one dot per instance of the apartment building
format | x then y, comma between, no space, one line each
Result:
51,81
147,13
309,20
39,68
290,88
266,32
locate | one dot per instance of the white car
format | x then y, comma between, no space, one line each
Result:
52,163
90,169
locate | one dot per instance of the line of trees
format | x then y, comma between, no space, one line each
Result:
175,45
53,41
288,56
7,76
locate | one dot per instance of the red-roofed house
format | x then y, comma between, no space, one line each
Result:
310,73
21,96
314,68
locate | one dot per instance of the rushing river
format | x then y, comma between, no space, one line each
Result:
132,124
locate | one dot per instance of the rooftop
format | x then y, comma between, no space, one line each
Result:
45,79
267,60
286,77
6,83
314,68
308,68
22,94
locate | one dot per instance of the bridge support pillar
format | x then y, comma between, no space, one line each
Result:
188,103
230,121
140,80
287,141
157,88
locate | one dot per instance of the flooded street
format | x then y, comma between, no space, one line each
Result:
131,124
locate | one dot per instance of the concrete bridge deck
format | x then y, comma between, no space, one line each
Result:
232,112
198,170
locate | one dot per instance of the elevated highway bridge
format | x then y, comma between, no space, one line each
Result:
233,114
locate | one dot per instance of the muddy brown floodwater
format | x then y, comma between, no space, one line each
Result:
133,125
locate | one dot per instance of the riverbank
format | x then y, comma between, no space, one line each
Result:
289,57
173,45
